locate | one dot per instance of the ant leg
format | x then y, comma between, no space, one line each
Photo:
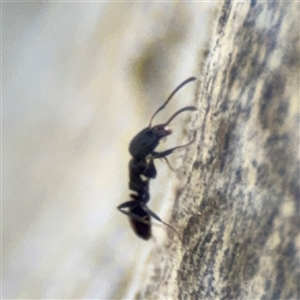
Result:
127,204
131,204
156,217
168,163
150,171
169,151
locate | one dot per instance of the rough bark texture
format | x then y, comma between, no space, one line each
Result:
239,207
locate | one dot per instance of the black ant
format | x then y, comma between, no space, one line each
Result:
142,169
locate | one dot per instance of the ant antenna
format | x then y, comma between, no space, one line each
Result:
170,97
180,111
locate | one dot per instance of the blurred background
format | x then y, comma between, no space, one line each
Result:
79,80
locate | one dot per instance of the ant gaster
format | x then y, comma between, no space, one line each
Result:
142,169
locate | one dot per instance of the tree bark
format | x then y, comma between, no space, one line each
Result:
238,209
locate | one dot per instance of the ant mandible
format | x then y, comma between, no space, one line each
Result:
142,169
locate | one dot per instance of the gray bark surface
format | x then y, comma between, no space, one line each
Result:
238,208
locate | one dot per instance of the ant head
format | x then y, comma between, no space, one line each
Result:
147,140
160,131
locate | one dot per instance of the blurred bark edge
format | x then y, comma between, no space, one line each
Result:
238,210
